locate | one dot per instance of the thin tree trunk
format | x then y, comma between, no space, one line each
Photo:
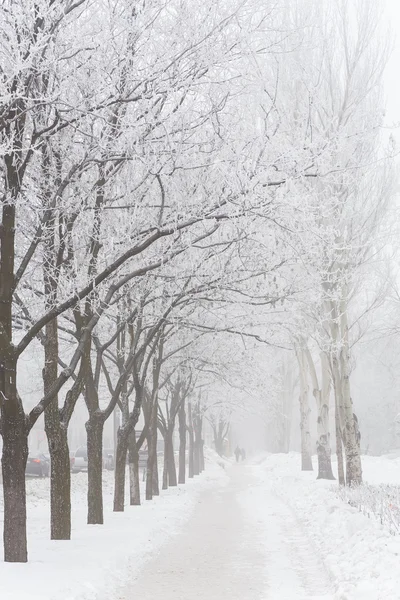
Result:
182,443
152,451
172,479
155,478
149,469
94,429
120,469
191,442
196,457
306,454
202,460
134,475
166,460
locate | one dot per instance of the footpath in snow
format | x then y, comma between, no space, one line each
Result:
241,543
274,533
253,531
99,559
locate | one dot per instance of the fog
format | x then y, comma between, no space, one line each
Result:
199,299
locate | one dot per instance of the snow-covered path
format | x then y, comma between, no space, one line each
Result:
241,543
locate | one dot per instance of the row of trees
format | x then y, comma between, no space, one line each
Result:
171,175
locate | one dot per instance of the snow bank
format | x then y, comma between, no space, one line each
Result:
361,556
99,559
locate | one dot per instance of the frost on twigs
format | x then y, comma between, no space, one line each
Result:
378,502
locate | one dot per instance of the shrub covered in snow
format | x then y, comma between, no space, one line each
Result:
380,502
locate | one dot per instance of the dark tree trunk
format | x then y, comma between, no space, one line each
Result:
152,467
172,479
94,429
155,479
60,482
15,454
13,419
60,486
167,455
120,469
196,457
191,454
182,443
134,474
191,441
149,471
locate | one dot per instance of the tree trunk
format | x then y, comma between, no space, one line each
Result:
202,461
149,469
322,396
341,377
134,475
196,457
191,443
60,485
338,426
13,419
350,437
306,454
339,445
120,469
152,466
15,454
60,479
94,429
182,443
155,480
167,455
172,479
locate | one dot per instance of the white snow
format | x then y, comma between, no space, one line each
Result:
99,558
359,556
258,531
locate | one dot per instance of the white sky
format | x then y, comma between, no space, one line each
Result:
392,76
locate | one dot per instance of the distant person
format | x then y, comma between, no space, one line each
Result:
237,453
243,454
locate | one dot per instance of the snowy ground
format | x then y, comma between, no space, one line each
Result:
258,531
274,533
98,560
329,542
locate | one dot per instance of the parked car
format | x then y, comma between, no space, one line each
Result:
79,461
38,465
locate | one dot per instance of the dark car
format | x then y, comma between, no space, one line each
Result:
38,465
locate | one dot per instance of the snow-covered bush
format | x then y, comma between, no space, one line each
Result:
381,502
